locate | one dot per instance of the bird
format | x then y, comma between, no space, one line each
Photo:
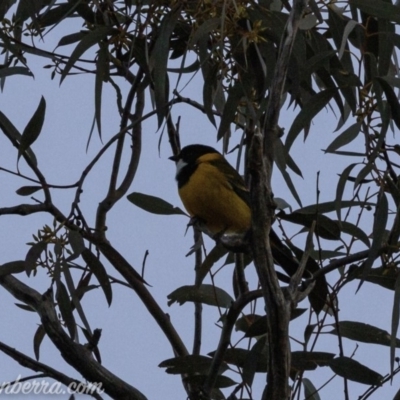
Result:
218,201
212,191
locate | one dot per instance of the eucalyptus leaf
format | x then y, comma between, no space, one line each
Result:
206,294
154,204
33,128
354,371
100,273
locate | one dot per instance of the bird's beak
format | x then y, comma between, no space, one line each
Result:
174,158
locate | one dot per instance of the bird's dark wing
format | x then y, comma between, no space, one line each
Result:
282,254
234,179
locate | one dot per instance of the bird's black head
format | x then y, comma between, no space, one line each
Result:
186,161
191,153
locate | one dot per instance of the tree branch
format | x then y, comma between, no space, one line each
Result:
24,209
47,371
261,156
73,353
136,282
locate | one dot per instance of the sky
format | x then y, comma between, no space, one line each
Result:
132,345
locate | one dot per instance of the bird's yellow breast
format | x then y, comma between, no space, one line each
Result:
208,195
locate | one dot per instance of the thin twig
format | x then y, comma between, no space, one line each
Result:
115,194
198,307
225,338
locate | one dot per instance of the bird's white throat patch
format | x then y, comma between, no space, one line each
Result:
179,165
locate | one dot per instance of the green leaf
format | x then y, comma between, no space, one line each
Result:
348,153
64,304
159,60
28,9
204,30
379,143
190,364
308,22
325,227
354,371
256,360
37,340
397,395
244,322
340,189
210,82
235,94
13,135
91,17
317,61
344,117
283,159
282,204
242,357
12,267
186,70
101,76
327,254
56,14
383,276
307,113
378,230
345,137
212,257
206,294
32,255
310,360
308,331
361,332
75,300
324,79
76,241
259,327
337,26
393,189
33,128
25,307
378,8
99,272
330,206
355,232
8,71
386,45
89,40
72,38
350,25
198,380
363,173
391,98
394,342
234,356
393,81
290,186
9,129
5,5
27,190
310,392
153,204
